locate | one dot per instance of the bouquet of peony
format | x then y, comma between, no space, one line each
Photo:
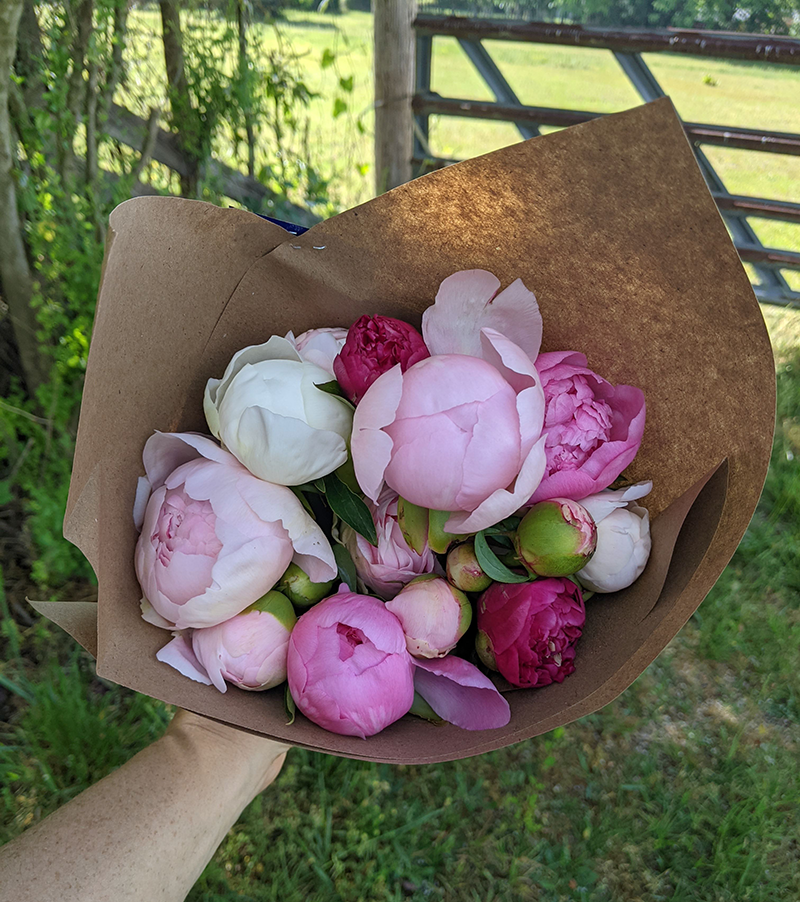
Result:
333,508
465,480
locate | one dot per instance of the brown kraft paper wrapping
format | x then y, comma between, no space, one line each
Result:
609,223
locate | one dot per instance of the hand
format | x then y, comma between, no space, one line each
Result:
266,755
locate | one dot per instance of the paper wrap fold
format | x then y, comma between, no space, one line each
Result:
609,223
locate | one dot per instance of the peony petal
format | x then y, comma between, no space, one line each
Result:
370,446
143,489
453,324
465,304
503,502
462,695
601,504
164,452
284,450
179,654
276,348
151,615
276,503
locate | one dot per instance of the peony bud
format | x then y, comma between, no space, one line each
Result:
348,667
623,539
464,571
248,651
374,345
297,586
434,615
556,538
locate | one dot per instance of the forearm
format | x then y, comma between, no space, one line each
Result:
146,831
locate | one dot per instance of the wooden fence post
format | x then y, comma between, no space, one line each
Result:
394,87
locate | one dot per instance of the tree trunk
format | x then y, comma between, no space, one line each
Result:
247,85
183,115
394,87
77,86
15,275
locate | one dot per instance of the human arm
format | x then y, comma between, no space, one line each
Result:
146,831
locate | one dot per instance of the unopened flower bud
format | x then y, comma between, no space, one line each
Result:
483,646
556,538
298,587
464,571
434,615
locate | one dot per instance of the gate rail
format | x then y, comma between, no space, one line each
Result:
627,47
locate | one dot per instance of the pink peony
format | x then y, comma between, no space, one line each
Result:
374,345
348,667
434,615
319,346
530,629
214,538
387,567
455,433
248,651
593,428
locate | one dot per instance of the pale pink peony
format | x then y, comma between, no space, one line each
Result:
374,345
455,433
593,428
388,566
434,615
248,651
214,538
319,346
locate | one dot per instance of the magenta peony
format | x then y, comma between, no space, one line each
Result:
214,538
593,428
374,345
348,668
530,629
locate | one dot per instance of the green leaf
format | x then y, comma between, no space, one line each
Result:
298,490
346,84
347,569
350,508
289,705
491,566
339,107
332,387
328,58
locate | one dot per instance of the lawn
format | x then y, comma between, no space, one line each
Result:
686,788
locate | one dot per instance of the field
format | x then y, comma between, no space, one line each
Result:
685,788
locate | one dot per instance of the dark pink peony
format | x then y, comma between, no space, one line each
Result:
374,345
530,629
593,428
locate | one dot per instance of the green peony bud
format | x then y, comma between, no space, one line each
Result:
296,585
556,538
464,571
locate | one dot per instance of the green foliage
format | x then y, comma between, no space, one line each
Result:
752,616
76,730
